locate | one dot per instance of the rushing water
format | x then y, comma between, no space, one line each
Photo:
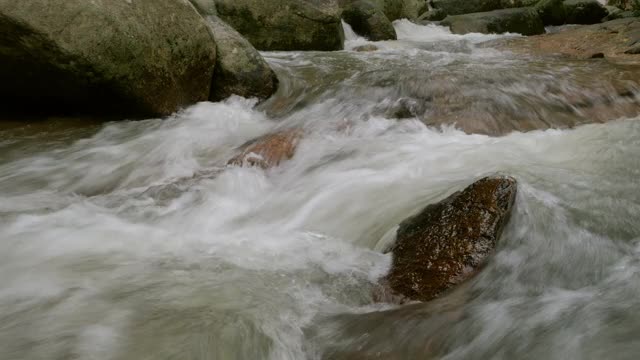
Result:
134,240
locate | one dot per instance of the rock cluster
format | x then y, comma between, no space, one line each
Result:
527,17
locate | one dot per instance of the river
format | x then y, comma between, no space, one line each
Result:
133,240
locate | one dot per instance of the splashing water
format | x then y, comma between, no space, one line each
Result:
134,240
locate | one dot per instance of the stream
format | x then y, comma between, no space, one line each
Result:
134,240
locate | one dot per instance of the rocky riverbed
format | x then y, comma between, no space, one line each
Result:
319,179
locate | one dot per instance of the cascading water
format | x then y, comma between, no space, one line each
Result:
134,240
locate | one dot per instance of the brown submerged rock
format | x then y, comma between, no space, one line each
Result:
446,243
269,150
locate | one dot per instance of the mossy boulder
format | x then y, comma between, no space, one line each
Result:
138,58
285,24
447,242
240,69
524,21
369,21
584,11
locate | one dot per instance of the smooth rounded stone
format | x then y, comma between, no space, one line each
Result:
552,12
365,48
447,242
584,11
524,21
240,69
108,57
285,24
369,21
269,150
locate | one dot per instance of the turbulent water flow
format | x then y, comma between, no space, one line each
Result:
134,240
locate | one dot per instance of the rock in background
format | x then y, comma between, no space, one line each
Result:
584,11
285,24
525,21
368,20
402,9
240,69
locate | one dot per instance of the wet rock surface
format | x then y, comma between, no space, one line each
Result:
447,242
270,150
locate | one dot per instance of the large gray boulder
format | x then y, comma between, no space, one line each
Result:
285,24
524,21
138,58
584,11
447,242
369,21
240,69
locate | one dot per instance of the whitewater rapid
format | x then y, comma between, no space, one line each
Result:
135,240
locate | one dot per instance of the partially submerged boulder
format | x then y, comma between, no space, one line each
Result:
240,69
270,150
285,24
584,11
369,21
524,21
446,242
122,57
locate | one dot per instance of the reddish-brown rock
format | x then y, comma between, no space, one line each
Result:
269,150
446,242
